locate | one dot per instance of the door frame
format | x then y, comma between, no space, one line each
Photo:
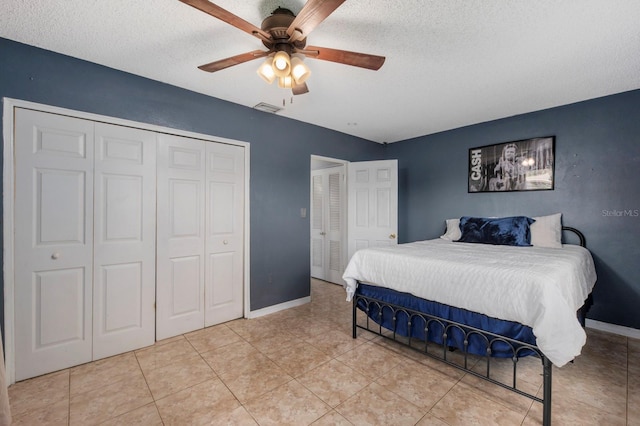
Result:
8,171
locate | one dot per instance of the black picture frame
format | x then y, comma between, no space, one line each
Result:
524,165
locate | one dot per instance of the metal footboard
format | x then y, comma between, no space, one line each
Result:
442,352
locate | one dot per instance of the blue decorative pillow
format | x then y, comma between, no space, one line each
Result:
507,231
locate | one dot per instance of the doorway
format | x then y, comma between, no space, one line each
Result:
328,218
354,205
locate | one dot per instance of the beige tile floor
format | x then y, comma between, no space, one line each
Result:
301,366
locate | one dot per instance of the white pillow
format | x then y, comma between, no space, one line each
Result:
546,231
453,232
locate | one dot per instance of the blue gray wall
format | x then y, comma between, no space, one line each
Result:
597,156
597,173
280,161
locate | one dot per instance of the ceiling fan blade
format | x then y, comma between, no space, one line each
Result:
312,14
234,60
300,89
228,17
362,60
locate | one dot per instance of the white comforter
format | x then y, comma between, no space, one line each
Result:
539,287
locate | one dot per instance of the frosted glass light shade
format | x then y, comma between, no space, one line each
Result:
265,71
299,71
285,82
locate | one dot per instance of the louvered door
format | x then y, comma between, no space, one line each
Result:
317,224
328,224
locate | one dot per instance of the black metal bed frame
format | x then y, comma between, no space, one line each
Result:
447,326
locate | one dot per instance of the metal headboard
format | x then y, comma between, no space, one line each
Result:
583,241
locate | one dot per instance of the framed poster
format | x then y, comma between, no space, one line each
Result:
526,165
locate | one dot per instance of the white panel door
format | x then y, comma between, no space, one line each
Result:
180,235
373,204
53,242
224,285
124,239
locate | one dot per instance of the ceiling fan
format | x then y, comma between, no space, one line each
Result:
285,36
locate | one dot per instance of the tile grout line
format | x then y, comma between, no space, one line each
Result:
220,378
148,388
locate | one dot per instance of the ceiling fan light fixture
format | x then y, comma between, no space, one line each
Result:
299,70
285,36
265,71
281,64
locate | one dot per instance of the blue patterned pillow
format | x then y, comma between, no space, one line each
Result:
507,231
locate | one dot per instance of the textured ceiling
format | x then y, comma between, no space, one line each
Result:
450,63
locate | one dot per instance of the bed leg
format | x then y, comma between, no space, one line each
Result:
546,404
353,319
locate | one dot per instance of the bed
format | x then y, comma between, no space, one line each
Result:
491,287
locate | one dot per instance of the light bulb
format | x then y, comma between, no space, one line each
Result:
281,64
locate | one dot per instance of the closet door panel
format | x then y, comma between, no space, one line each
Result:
124,246
180,236
52,290
225,233
53,242
185,203
221,271
185,291
121,295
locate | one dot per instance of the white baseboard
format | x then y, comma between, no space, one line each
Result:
279,307
596,325
613,328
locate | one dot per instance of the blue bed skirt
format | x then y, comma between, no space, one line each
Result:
455,337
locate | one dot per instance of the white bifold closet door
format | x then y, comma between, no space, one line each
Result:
84,241
124,268
200,234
